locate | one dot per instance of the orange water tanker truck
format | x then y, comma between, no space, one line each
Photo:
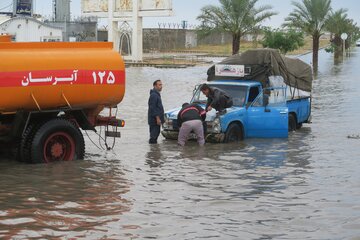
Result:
49,91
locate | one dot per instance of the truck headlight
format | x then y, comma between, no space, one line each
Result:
216,125
168,123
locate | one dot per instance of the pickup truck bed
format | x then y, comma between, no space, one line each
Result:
301,108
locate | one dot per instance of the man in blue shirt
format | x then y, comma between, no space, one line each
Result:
155,112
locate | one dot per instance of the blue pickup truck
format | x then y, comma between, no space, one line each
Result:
271,97
256,112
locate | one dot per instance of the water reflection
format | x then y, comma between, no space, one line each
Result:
229,184
154,157
49,200
303,187
193,152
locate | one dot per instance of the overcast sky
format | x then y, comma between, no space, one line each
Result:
188,10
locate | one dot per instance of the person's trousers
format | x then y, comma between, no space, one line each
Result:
154,133
194,125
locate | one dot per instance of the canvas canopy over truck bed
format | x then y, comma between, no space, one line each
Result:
260,64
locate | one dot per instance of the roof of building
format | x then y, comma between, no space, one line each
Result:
5,20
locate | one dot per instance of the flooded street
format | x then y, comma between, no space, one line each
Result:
303,187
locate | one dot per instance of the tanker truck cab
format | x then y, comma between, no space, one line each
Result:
52,91
253,114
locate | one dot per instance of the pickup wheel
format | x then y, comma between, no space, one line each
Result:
234,133
57,140
292,123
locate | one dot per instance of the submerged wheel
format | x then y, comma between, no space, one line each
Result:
57,140
25,143
234,133
292,123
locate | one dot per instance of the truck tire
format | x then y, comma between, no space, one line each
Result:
233,134
57,140
25,142
292,123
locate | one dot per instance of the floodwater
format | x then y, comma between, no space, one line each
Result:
303,187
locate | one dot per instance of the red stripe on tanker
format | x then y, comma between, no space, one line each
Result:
61,77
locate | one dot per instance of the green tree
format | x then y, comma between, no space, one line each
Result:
285,41
310,16
237,17
356,34
338,23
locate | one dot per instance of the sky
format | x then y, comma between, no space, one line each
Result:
188,10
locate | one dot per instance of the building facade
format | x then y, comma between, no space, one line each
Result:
26,29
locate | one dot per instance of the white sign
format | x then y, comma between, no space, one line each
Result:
102,6
147,5
117,11
94,6
229,70
124,5
344,36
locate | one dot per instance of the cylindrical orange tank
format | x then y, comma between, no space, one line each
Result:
5,38
42,76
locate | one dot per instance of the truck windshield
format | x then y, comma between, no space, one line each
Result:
238,93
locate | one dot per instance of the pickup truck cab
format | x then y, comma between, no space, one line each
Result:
256,112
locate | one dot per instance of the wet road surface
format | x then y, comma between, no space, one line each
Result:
303,187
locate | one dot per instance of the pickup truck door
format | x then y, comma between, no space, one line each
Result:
267,116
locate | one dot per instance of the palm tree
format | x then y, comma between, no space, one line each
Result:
238,17
337,24
310,16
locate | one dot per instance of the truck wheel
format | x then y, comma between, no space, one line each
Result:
25,143
292,123
57,140
298,126
233,133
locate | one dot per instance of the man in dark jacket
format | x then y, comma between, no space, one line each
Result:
155,112
217,98
190,118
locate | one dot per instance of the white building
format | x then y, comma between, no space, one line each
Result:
27,29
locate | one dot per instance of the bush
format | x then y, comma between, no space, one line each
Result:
285,41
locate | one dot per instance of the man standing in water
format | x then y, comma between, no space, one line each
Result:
155,112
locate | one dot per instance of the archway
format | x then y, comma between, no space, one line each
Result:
125,41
